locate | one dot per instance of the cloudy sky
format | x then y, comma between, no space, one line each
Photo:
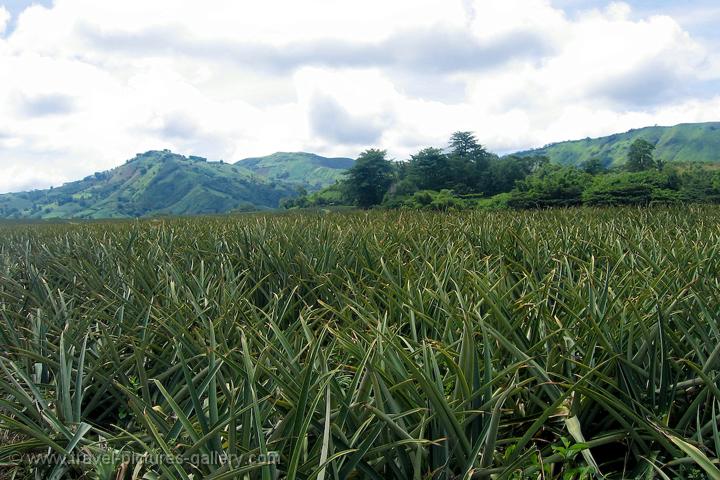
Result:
86,84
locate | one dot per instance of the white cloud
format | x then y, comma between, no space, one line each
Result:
4,19
618,11
85,85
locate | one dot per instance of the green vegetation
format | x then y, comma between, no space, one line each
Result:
555,344
686,143
640,156
550,186
164,183
435,179
332,196
307,170
639,188
153,183
466,176
462,176
369,179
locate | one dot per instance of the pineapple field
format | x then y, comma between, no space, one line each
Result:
558,344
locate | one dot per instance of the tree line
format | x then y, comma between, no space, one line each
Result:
466,175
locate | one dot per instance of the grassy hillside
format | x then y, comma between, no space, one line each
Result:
306,169
156,182
694,143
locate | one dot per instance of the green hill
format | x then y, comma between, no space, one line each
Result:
308,170
688,143
152,183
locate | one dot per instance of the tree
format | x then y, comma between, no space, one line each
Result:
633,188
469,163
593,166
550,186
429,169
464,144
505,172
698,184
369,178
640,156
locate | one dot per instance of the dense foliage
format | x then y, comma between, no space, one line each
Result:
370,178
541,344
466,175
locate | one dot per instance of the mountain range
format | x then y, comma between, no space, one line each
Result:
165,183
308,170
688,143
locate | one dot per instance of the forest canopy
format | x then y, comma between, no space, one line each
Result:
466,175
